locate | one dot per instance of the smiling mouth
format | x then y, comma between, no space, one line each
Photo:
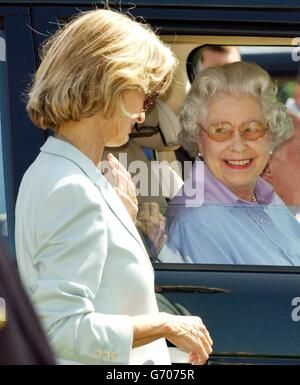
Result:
238,164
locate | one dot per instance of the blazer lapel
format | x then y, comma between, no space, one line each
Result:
67,150
117,207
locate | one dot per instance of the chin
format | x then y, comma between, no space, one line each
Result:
118,142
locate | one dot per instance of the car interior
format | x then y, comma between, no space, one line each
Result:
156,139
273,54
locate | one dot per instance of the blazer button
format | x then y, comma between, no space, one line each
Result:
98,353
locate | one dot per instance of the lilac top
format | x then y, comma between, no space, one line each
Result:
208,223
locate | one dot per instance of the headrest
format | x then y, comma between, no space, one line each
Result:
163,120
168,123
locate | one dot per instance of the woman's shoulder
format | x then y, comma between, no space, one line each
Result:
50,177
53,169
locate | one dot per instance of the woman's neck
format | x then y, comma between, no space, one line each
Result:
87,135
247,194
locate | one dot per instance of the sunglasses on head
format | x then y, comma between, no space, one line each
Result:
222,131
149,101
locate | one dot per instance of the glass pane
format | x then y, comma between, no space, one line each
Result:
241,214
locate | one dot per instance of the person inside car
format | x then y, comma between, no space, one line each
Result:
217,55
232,119
78,250
293,104
283,168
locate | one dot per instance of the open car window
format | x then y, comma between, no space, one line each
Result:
195,231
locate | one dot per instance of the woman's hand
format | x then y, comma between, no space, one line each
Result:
153,225
190,335
124,186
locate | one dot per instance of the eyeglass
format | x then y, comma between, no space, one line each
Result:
149,101
222,131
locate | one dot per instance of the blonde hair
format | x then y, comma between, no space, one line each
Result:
89,63
239,78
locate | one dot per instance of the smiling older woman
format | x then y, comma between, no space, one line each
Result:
232,118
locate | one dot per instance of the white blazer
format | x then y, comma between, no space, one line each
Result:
83,261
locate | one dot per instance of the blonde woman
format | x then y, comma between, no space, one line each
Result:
78,250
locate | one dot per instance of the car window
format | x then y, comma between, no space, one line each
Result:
281,62
268,233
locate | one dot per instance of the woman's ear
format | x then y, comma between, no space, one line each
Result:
267,172
200,147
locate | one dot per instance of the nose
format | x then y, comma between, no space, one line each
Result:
237,142
141,118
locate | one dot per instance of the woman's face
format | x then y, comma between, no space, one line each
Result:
122,126
235,162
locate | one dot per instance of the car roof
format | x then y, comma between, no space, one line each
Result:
266,4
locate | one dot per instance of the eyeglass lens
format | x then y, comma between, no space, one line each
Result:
249,131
